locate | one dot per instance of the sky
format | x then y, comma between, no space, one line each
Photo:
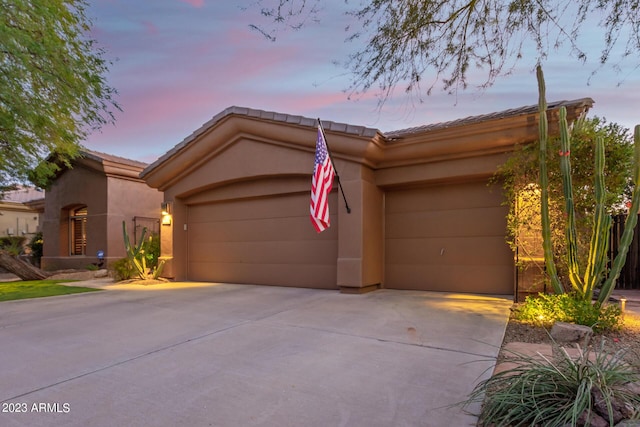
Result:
177,63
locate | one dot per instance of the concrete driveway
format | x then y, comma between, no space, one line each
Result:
196,354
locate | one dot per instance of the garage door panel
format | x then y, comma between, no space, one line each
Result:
268,241
311,275
259,208
446,197
448,251
276,252
244,230
454,278
469,222
447,238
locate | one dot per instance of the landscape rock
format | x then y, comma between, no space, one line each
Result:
628,423
569,333
101,273
619,411
595,420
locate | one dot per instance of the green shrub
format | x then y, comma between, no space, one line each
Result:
36,244
544,310
12,244
152,252
141,252
122,269
561,391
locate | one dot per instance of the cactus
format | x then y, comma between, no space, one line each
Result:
135,254
544,187
596,269
629,225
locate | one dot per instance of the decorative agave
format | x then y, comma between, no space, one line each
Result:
595,273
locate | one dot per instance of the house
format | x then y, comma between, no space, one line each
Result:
20,211
85,206
422,213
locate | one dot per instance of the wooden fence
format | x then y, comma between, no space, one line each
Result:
630,275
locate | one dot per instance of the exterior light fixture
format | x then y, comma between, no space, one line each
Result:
166,208
166,213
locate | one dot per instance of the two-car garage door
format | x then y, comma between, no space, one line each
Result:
266,241
440,238
447,238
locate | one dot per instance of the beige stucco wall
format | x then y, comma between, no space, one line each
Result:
17,219
244,166
238,157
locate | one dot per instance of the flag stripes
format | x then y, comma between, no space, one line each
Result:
321,184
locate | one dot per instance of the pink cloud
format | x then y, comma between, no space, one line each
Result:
194,3
150,27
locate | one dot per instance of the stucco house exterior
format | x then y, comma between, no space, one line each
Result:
422,213
20,211
85,206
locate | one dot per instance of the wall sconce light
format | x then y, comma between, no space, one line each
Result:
166,213
166,208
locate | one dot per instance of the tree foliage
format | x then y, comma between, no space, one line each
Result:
522,169
406,40
53,90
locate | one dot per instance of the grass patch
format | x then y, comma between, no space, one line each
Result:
10,291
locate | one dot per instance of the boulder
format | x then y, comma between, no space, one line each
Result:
569,333
101,273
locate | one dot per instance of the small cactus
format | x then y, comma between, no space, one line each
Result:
136,255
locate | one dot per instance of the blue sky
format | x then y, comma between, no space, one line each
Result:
177,63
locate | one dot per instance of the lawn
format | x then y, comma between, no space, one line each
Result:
37,289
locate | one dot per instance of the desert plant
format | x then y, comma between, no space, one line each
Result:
559,391
519,173
595,273
36,245
544,310
137,255
13,245
152,253
122,269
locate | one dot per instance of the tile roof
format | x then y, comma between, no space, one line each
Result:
263,115
352,129
22,194
529,109
101,157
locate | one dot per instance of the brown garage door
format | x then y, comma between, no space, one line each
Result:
447,238
267,241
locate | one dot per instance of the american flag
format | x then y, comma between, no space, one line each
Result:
321,184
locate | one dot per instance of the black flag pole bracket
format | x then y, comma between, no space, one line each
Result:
337,177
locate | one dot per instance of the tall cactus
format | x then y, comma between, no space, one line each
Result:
547,244
595,271
629,225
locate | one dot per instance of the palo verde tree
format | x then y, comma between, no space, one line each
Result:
53,92
519,175
53,89
419,44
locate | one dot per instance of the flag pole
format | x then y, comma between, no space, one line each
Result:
346,204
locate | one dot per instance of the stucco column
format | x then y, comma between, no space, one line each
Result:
166,247
168,226
360,233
